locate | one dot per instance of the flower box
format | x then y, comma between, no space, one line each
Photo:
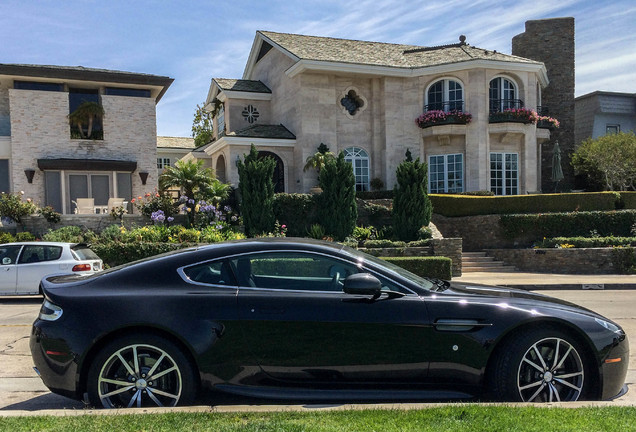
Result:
435,118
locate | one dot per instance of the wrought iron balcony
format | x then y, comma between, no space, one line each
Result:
501,105
454,106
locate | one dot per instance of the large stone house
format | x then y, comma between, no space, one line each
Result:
363,99
55,162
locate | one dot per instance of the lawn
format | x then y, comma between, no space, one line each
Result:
455,418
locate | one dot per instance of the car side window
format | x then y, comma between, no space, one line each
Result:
37,253
292,271
213,273
9,254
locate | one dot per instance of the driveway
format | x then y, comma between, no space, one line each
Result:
21,389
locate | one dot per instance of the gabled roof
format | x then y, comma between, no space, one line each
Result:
81,73
379,58
382,54
252,86
263,131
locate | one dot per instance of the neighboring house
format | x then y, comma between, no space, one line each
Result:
600,113
55,163
171,149
362,98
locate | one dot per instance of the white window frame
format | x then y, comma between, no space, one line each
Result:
446,172
163,163
358,158
506,174
446,99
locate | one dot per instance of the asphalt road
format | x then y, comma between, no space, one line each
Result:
21,389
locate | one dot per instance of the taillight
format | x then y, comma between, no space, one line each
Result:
81,267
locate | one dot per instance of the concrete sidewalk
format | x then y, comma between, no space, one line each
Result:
549,281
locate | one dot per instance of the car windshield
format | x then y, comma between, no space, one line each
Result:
420,281
82,252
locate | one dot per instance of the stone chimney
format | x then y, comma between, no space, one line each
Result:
551,41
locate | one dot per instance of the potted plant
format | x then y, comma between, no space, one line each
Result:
317,161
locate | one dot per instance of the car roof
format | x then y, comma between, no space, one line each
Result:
39,243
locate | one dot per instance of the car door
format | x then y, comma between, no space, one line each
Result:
35,262
8,268
304,329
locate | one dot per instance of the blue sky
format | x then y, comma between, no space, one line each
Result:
193,41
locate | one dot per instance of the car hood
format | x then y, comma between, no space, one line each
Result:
513,296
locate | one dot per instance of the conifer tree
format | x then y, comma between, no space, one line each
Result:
411,206
337,207
257,193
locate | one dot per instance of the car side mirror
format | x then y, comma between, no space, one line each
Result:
6,261
363,284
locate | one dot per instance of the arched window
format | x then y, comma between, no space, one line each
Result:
359,158
445,95
503,95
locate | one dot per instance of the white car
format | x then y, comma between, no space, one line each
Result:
23,265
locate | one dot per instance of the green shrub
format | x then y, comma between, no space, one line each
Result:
411,206
12,206
629,200
587,242
575,224
117,253
50,214
419,243
372,244
433,267
424,233
371,195
111,233
624,260
378,215
257,193
70,234
6,237
463,205
297,211
24,236
337,208
316,231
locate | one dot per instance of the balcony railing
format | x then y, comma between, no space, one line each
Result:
500,105
454,106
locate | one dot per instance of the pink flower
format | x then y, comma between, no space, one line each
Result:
132,200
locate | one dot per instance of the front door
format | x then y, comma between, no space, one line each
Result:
303,329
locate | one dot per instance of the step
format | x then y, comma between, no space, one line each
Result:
479,262
502,269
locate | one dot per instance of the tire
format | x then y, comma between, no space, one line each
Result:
541,365
116,380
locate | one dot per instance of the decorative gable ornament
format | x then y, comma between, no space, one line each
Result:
250,113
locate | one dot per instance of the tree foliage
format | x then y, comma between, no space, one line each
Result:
202,129
86,113
257,193
337,207
608,161
411,206
318,160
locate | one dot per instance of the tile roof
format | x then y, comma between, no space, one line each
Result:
383,54
241,85
264,131
175,142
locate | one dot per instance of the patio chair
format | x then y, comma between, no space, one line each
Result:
84,206
115,202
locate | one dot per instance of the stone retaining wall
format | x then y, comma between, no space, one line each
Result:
38,226
447,247
560,261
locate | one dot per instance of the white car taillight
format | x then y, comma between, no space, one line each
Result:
50,311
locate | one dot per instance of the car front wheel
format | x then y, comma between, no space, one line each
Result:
541,366
140,371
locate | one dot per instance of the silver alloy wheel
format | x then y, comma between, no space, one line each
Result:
139,375
551,370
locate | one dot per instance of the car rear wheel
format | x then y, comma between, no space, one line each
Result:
141,371
543,365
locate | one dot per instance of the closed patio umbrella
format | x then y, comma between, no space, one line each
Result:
557,171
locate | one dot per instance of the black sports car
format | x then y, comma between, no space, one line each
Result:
301,319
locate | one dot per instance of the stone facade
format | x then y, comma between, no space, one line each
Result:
38,135
308,104
551,41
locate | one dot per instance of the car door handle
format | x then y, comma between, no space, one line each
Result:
268,311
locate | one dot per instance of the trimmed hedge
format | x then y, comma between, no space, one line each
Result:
588,242
575,224
629,200
463,205
116,253
297,211
433,267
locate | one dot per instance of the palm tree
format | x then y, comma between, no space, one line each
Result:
319,159
195,182
86,113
